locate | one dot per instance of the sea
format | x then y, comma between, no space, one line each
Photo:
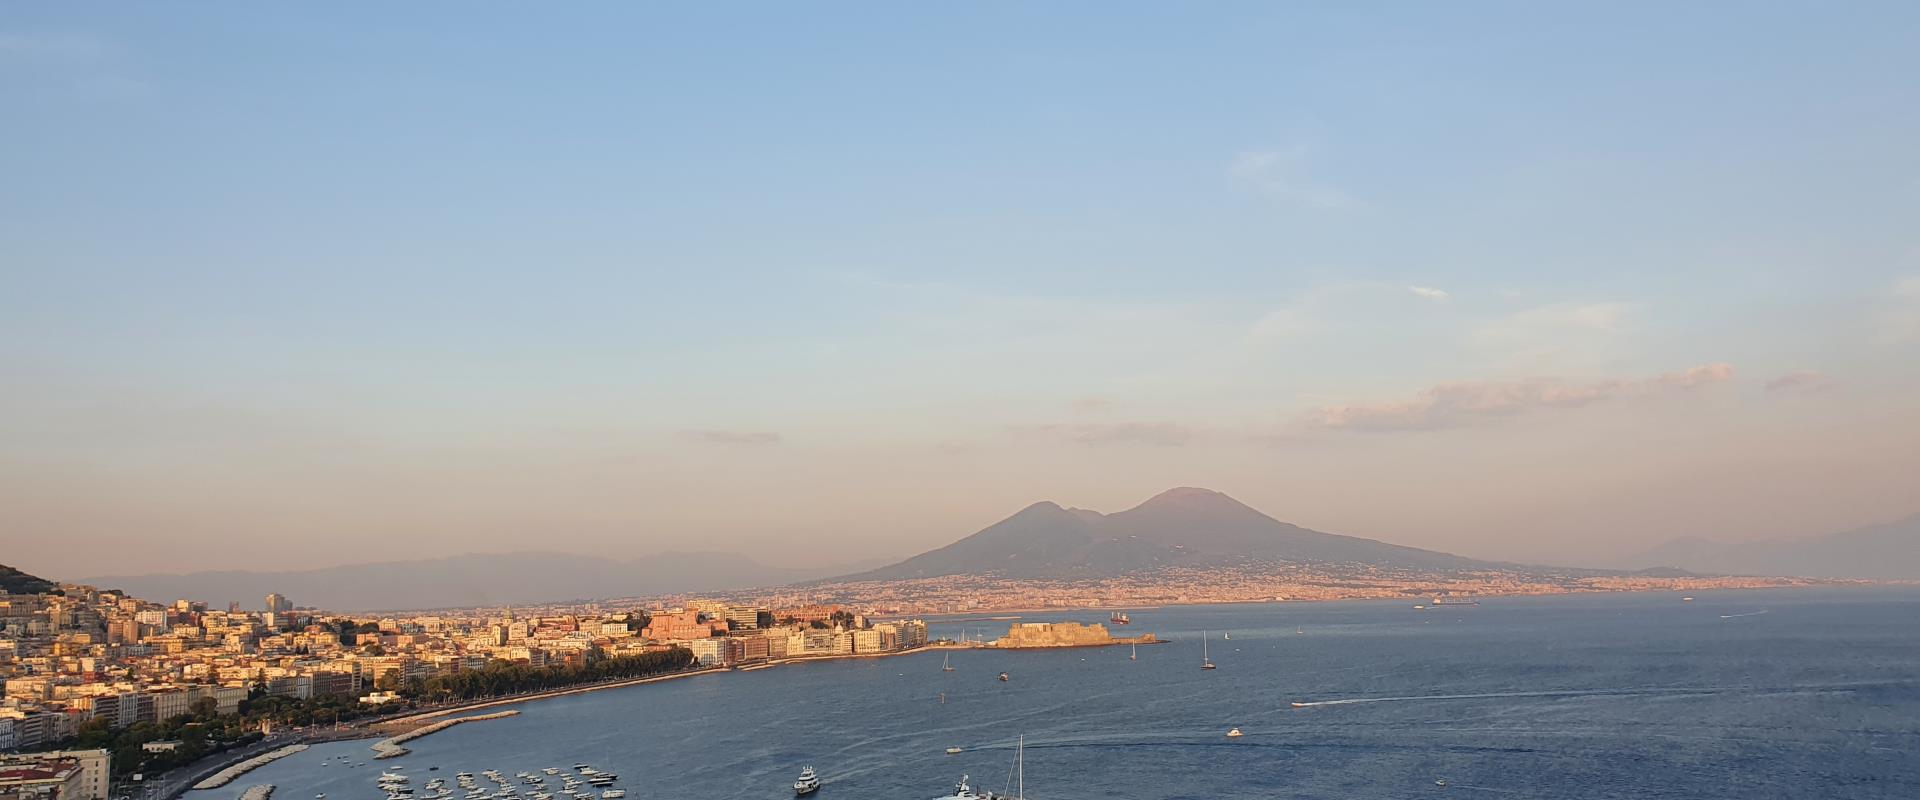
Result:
1789,693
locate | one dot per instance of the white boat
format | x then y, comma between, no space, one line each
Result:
613,794
807,783
1206,661
1135,656
961,791
954,751
1234,734
946,663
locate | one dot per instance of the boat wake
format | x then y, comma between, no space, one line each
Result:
1748,614
1498,695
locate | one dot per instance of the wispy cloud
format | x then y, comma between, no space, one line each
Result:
1806,381
1159,434
1452,405
1282,173
732,437
1429,292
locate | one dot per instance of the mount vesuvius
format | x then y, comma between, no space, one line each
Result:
1176,528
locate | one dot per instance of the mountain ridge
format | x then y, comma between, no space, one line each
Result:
468,579
1885,551
1183,526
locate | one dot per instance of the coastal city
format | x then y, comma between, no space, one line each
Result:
104,690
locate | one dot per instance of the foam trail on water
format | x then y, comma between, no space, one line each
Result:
1497,695
1748,614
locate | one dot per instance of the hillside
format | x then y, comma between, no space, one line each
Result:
1179,527
1890,551
16,582
468,580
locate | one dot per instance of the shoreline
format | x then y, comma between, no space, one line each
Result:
390,746
233,772
370,731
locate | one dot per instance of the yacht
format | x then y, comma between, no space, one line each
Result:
1234,734
1004,678
807,783
954,751
962,791
551,770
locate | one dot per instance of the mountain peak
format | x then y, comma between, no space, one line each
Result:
1190,497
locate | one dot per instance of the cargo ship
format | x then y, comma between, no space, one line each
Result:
1456,600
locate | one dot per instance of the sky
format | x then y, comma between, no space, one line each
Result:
288,286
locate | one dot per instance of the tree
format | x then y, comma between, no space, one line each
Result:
205,709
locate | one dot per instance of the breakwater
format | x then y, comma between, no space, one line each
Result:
390,746
226,776
259,792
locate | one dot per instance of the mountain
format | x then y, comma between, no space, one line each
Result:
468,580
1889,551
1178,527
16,582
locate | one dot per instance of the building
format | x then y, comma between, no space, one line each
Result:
278,604
56,775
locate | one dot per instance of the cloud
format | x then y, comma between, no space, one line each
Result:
1452,405
732,437
1160,434
1806,381
1280,173
1429,292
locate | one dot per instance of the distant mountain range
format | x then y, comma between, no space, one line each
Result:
468,580
1179,527
1878,552
16,582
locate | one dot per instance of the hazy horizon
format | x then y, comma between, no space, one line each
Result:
282,288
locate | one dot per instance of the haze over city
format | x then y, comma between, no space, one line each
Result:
1554,285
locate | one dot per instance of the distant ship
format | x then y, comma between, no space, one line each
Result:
1456,600
1003,676
1118,618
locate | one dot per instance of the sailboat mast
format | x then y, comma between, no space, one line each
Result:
1020,767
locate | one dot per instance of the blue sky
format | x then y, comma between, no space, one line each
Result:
438,277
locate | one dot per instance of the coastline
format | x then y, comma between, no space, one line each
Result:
390,746
371,730
232,773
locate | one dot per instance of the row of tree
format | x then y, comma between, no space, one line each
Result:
501,678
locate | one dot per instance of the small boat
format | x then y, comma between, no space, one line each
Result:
613,794
1206,661
946,663
1135,655
1227,636
962,791
1234,734
807,783
954,751
1298,704
1419,608
1440,781
1004,677
1687,599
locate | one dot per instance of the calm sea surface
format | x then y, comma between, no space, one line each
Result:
1616,695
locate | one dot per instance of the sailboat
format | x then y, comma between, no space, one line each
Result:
1136,653
1206,661
946,664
